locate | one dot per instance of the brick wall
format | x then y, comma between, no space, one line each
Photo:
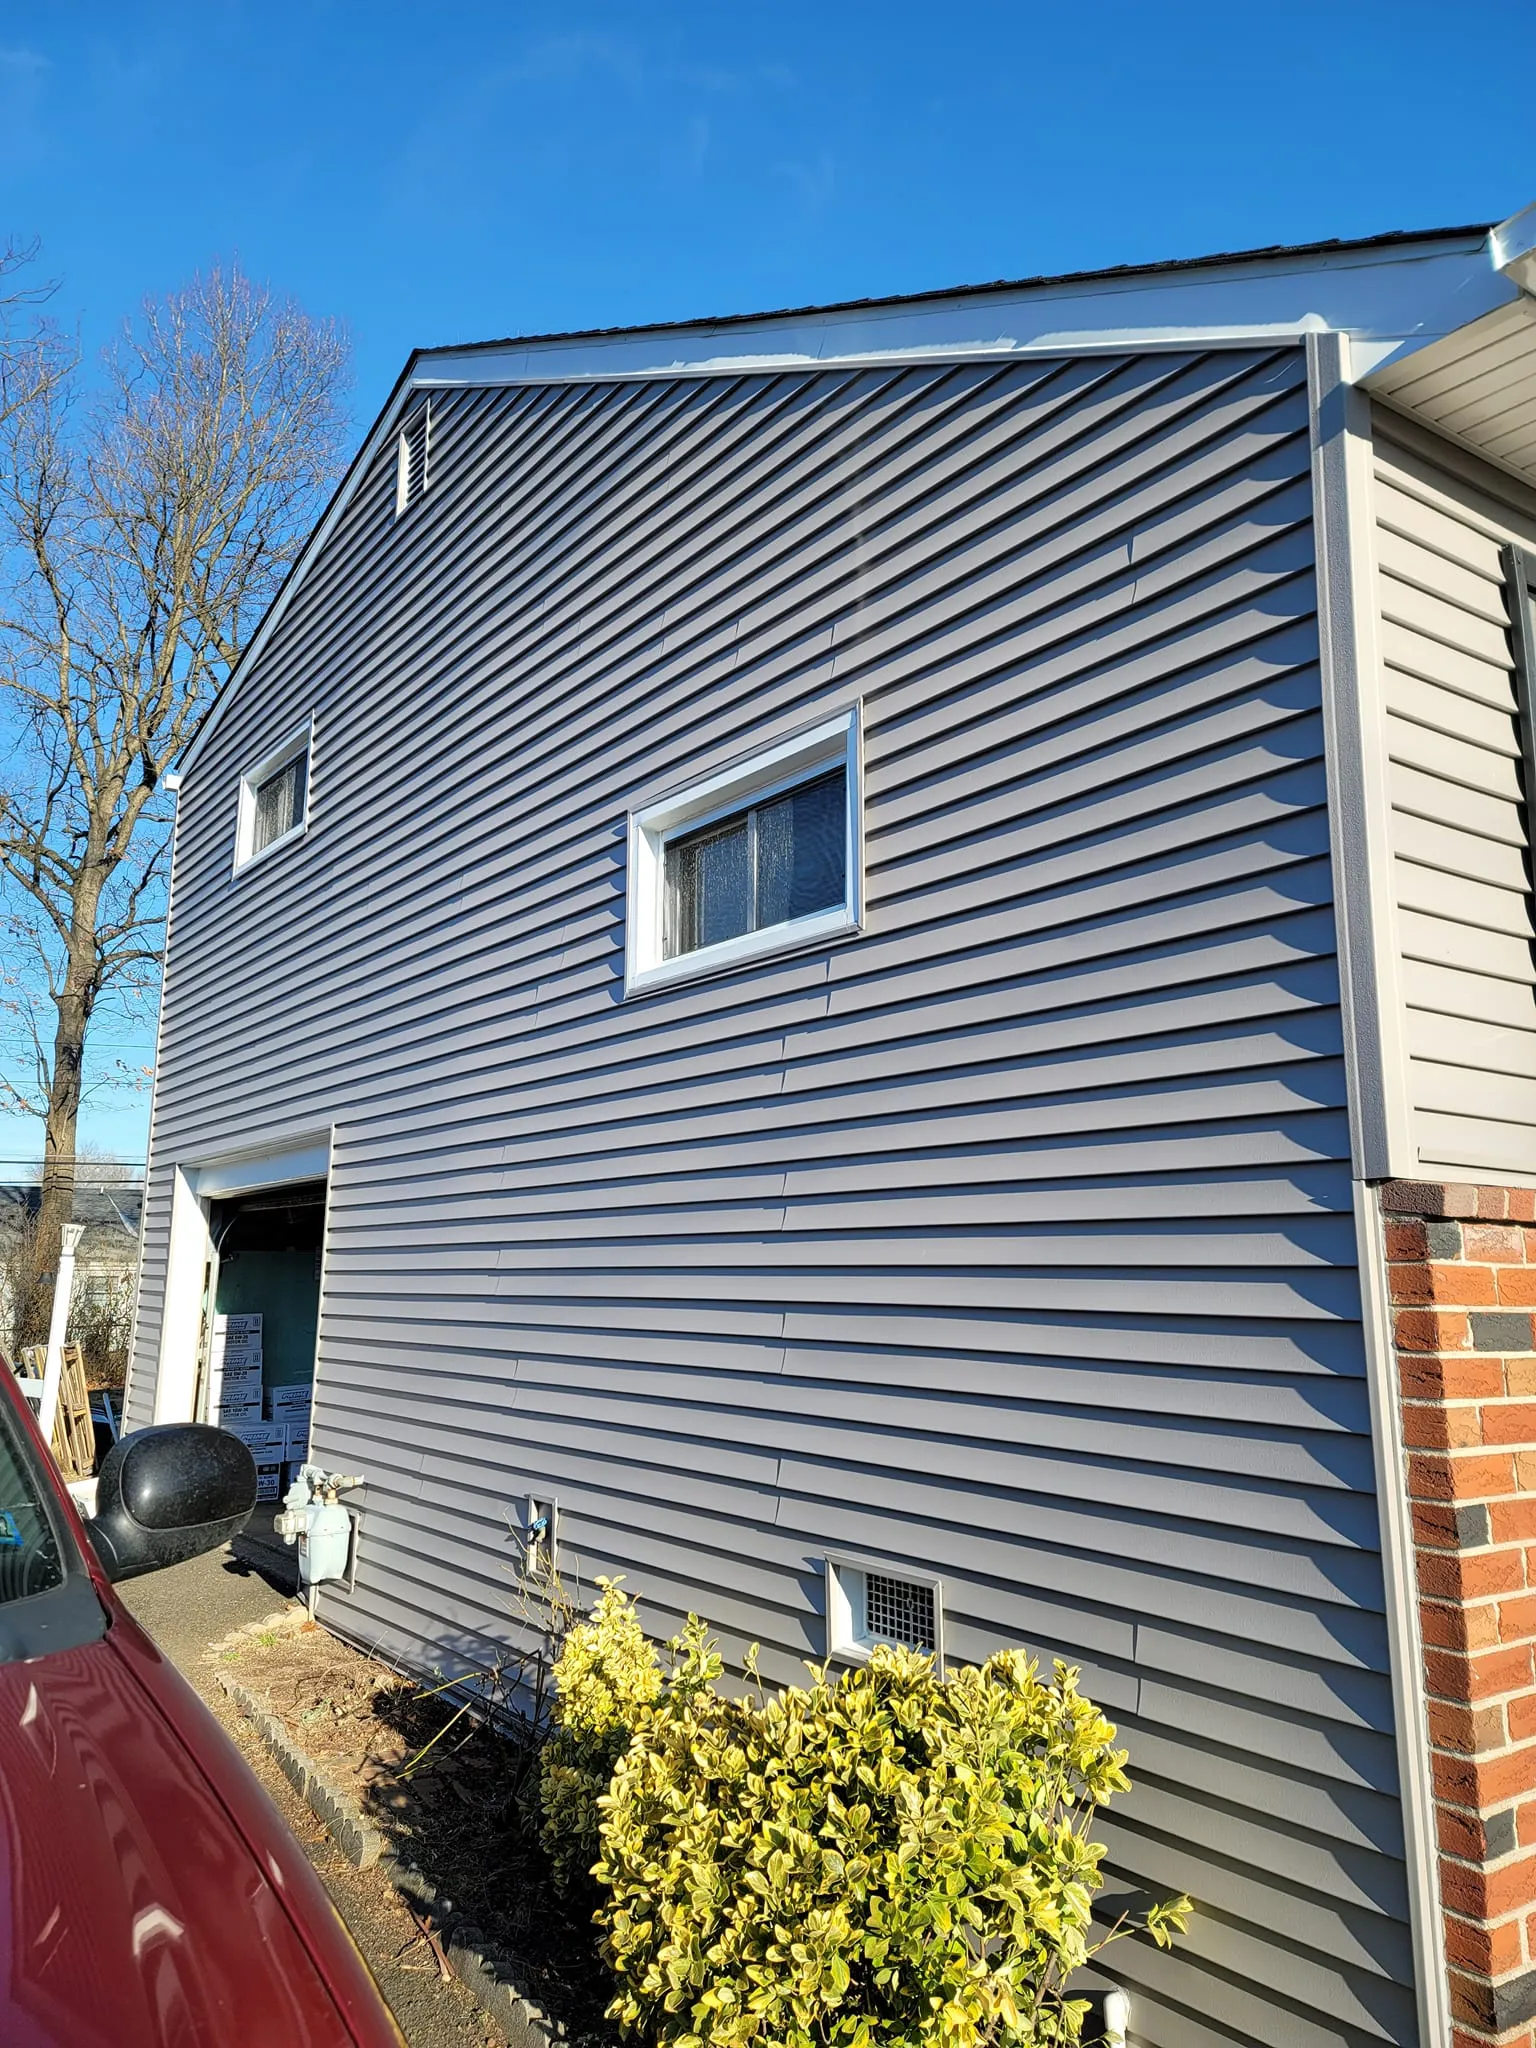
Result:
1462,1278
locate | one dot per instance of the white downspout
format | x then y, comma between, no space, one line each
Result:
1117,2019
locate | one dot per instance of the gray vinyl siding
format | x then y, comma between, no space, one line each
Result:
1459,854
1012,1238
149,1301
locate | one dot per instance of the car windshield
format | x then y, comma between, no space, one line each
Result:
29,1550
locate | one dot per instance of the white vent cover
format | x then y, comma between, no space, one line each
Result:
869,1603
413,447
899,1611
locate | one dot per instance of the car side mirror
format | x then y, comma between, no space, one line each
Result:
170,1493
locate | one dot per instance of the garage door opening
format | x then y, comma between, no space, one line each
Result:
257,1365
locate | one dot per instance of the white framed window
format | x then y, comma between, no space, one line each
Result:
274,799
762,858
413,449
869,1603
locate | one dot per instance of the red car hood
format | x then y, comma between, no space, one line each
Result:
134,1912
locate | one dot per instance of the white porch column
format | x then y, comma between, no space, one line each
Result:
53,1371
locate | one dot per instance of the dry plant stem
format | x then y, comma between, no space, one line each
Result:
142,534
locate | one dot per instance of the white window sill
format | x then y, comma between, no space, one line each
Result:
744,951
252,860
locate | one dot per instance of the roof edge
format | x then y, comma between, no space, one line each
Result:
1398,238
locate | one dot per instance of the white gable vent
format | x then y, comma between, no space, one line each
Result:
413,448
869,1603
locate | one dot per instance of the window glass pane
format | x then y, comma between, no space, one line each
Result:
802,851
280,803
709,889
29,1556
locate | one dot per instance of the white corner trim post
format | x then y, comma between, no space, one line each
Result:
1376,1070
58,1328
1355,745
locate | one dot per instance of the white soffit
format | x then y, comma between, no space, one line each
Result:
1477,384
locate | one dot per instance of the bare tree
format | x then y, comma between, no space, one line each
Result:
33,353
143,530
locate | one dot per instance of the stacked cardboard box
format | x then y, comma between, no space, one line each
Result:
288,1409
264,1441
235,1369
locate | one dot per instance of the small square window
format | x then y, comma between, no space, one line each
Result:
756,860
274,800
279,803
868,1604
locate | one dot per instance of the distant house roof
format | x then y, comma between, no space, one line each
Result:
108,1208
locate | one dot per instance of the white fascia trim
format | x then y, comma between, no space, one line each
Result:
1385,298
761,774
1392,300
301,740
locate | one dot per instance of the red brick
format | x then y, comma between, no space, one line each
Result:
1510,1422
1459,1832
1520,1375
1469,1377
1444,1284
1477,1576
1477,1675
1465,1730
1517,1618
1525,1472
1407,1240
1516,1286
1489,1894
1447,1625
1525,1823
1429,1198
1434,1525
1502,1778
1443,1426
1500,1671
1522,1204
1472,2002
1492,1950
1469,1475
1522,1718
1462,2037
1493,1202
1513,1521
1498,1244
1432,1329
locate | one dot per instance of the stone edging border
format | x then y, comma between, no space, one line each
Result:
479,1968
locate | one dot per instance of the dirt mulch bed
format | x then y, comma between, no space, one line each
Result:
442,1789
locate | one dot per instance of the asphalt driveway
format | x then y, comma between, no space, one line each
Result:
192,1606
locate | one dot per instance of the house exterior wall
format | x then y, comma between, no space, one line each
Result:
1462,1278
1012,1239
1461,883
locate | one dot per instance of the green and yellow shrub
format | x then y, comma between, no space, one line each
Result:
605,1674
883,1859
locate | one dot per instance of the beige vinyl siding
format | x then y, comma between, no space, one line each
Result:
1461,884
1013,1239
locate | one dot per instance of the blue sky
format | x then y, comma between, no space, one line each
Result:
442,174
